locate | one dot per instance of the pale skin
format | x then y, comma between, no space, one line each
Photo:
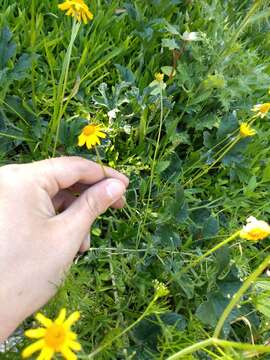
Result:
43,226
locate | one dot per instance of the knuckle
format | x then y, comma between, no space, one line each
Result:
93,206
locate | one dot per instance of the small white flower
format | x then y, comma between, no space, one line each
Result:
112,114
127,129
191,36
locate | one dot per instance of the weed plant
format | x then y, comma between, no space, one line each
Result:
193,179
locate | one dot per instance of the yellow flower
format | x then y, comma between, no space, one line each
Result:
261,109
54,337
90,136
246,130
255,229
77,9
160,289
159,77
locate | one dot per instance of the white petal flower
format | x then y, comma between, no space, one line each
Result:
112,114
191,36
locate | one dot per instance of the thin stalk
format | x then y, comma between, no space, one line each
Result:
200,174
56,119
236,298
218,342
209,252
109,342
191,349
153,162
105,176
33,42
250,121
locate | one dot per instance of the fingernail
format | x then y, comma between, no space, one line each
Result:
115,189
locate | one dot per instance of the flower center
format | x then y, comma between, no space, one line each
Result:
258,233
265,108
55,336
89,130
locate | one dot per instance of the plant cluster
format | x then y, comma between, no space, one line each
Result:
176,95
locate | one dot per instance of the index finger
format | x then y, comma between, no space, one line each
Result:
60,173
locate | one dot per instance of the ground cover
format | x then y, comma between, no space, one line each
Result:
170,82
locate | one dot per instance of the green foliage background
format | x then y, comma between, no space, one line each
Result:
181,202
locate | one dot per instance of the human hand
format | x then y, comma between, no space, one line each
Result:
43,226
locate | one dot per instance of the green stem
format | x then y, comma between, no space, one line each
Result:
209,252
153,162
56,119
203,172
100,162
109,342
32,43
218,342
236,297
191,349
250,121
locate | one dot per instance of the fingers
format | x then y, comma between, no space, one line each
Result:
63,200
61,173
93,202
86,244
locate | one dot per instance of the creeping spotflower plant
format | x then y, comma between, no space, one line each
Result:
54,337
246,130
77,9
255,229
91,135
261,109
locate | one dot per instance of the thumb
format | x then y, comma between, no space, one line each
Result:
78,218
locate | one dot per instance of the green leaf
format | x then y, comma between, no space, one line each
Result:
210,227
125,73
21,67
223,259
209,311
170,43
162,166
166,237
7,48
174,319
228,124
266,173
186,284
262,304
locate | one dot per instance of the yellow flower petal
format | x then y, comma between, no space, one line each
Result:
82,140
68,354
77,9
43,320
64,6
31,349
72,319
246,130
101,135
46,354
261,109
71,335
61,317
89,143
255,229
35,333
74,345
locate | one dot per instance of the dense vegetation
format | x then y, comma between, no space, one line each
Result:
193,179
